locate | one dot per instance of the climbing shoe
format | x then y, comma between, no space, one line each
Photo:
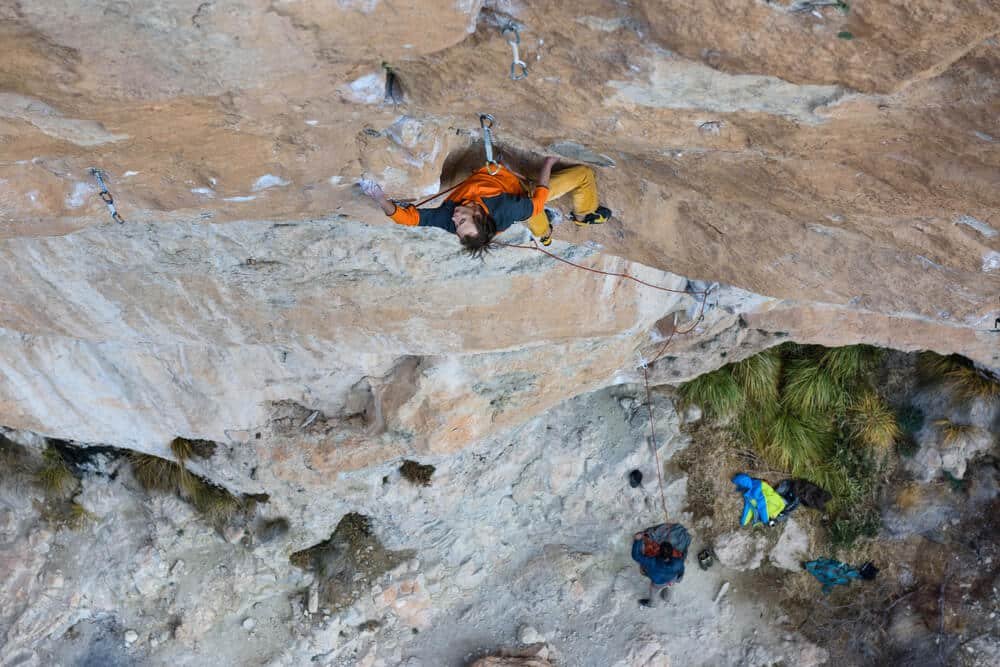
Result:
644,602
547,239
635,479
705,559
598,217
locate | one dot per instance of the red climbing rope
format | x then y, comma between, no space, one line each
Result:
435,196
645,365
615,274
652,442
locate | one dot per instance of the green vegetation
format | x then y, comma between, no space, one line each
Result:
952,432
717,393
415,473
215,504
911,419
154,473
813,412
844,34
186,448
349,562
960,375
872,422
54,476
64,514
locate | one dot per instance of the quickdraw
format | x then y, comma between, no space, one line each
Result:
393,91
516,59
106,196
486,123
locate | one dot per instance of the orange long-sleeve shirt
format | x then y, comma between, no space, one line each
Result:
500,194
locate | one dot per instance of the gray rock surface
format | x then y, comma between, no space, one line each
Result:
741,549
792,547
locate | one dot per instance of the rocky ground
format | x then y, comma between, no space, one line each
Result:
520,542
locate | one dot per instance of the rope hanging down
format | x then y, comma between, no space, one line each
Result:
644,364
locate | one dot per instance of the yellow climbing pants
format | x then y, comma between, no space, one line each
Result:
578,181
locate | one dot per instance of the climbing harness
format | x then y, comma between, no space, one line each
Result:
516,56
106,196
486,124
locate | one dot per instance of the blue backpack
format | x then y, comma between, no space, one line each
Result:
674,533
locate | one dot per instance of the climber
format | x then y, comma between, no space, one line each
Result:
485,204
761,503
660,552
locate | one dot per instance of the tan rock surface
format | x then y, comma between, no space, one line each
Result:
742,162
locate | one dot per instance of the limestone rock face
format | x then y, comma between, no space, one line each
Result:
740,549
831,175
792,547
852,178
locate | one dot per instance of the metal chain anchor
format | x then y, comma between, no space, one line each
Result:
106,196
510,27
486,123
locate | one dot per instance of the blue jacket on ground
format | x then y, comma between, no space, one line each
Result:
831,573
659,571
755,501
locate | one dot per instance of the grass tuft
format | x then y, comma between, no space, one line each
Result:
758,376
847,364
798,442
54,476
214,503
717,393
811,388
961,375
154,473
64,514
970,384
933,367
416,473
872,422
186,448
953,433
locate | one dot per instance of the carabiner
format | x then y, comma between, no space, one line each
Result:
515,54
486,123
510,27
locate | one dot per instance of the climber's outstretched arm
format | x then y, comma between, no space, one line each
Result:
374,190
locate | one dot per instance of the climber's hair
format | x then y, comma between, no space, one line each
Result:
482,243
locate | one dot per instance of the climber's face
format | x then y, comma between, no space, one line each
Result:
466,218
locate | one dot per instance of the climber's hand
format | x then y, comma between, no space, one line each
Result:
372,189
